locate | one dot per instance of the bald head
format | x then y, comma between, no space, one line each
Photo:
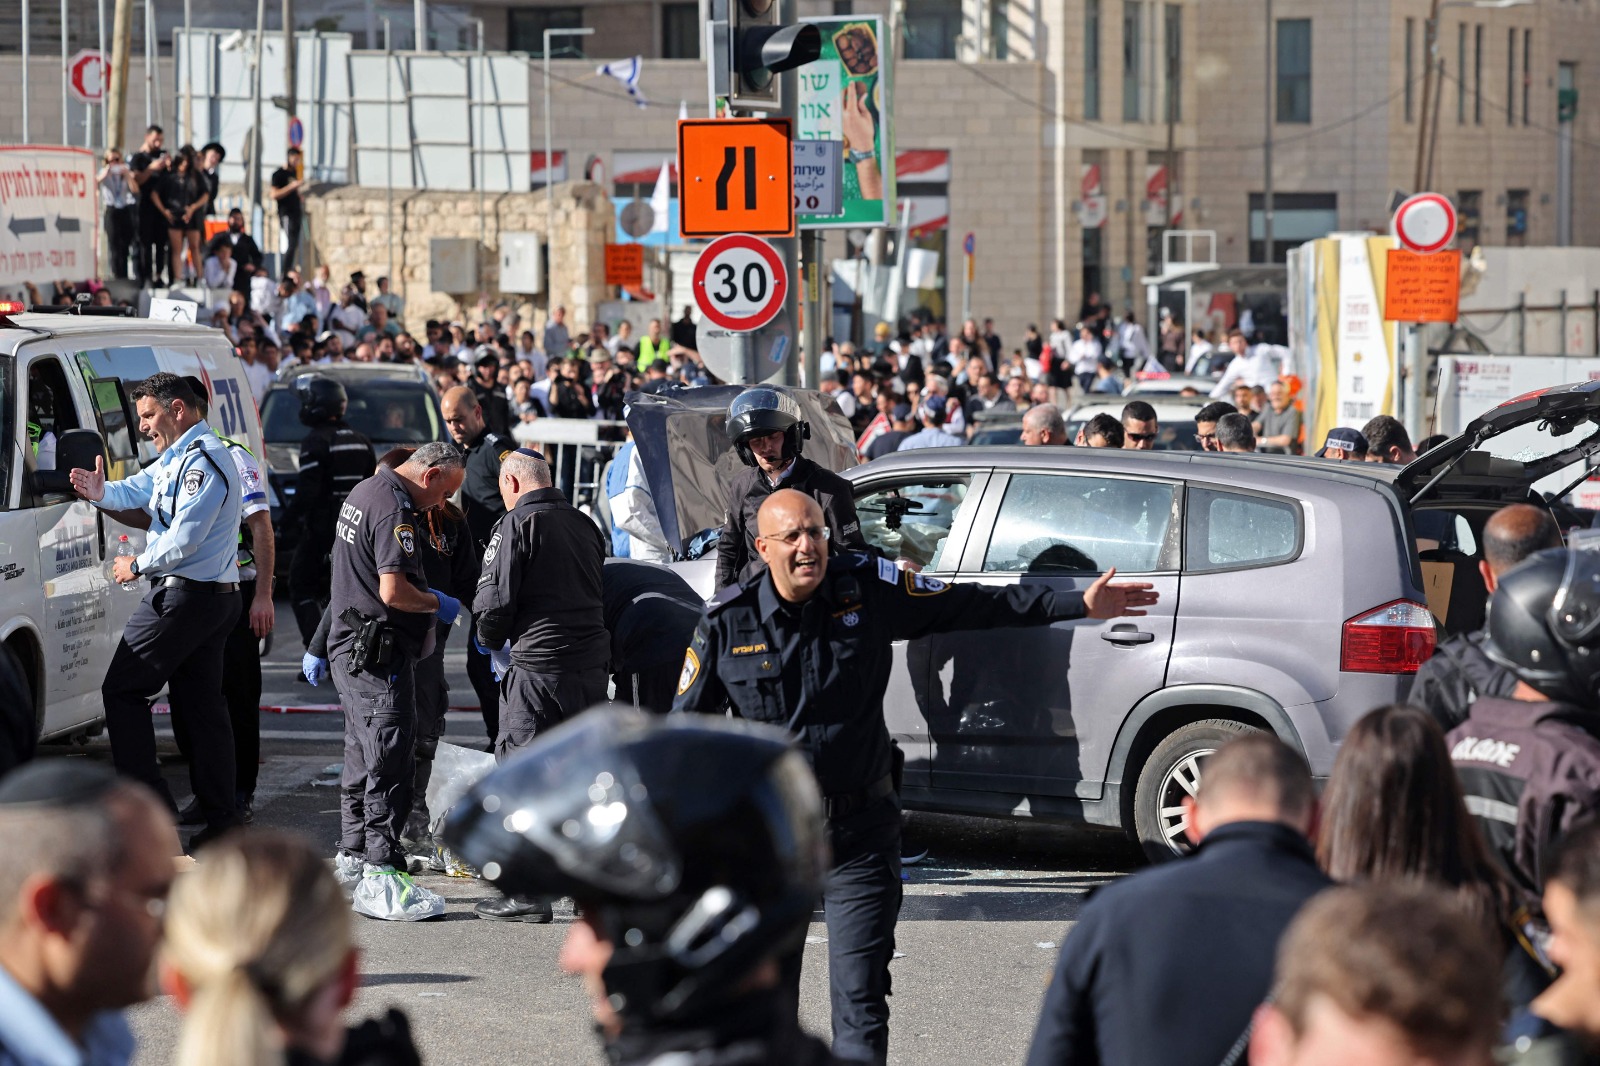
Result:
1513,533
787,509
463,415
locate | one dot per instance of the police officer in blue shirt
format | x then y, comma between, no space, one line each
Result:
176,635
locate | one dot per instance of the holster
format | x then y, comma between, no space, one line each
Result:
373,650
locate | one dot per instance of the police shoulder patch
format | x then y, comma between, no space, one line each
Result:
502,456
691,670
918,585
193,478
407,536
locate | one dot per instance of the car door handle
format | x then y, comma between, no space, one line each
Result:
1127,634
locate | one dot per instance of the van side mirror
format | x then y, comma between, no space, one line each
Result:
75,449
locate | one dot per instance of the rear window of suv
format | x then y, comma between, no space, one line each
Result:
1231,530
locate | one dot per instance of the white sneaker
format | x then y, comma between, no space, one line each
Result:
392,896
346,869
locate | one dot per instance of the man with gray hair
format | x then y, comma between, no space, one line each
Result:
1043,424
89,861
383,622
540,610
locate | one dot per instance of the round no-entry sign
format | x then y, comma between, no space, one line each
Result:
87,74
1425,223
740,282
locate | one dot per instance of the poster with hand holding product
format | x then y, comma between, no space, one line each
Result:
847,95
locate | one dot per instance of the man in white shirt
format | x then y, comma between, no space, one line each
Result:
1084,355
347,319
1135,345
220,267
1198,351
395,305
1250,366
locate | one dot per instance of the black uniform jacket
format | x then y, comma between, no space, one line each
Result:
378,533
542,588
1458,673
651,613
736,550
820,668
334,459
1529,772
1197,936
480,490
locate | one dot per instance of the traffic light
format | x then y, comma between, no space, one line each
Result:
749,46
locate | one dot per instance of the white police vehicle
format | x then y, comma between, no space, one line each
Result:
65,377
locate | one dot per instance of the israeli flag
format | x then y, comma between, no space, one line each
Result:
627,72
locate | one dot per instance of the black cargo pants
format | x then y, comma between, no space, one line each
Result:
380,719
532,703
433,700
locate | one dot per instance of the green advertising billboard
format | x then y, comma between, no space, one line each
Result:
848,95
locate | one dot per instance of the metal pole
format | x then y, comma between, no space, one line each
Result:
966,289
482,160
27,133
121,46
1266,149
388,135
816,316
257,146
105,88
65,132
419,15
188,73
551,303
788,247
1430,28
149,63
291,74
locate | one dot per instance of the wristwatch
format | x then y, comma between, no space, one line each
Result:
133,566
860,157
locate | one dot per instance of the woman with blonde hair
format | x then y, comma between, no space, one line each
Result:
260,957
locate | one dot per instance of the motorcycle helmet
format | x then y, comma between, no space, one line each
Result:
766,409
694,844
1544,624
322,399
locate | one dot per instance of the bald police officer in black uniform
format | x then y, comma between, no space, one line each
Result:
334,459
541,591
806,646
383,615
480,500
768,432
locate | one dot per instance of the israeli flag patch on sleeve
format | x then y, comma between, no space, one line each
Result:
888,572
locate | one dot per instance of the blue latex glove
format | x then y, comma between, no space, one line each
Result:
314,668
449,606
500,661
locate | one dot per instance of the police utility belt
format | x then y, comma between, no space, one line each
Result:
373,650
191,585
843,804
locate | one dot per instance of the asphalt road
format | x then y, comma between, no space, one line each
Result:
979,928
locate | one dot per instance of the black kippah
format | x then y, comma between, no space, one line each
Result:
532,453
56,783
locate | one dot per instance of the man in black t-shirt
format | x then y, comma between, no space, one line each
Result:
148,166
286,185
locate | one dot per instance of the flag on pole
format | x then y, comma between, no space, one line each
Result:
627,72
661,199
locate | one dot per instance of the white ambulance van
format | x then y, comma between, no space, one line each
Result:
65,380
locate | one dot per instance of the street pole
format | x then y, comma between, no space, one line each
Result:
388,135
291,73
27,133
149,63
788,248
1430,30
550,301
419,15
105,89
188,73
65,131
483,161
816,310
121,45
1266,149
256,144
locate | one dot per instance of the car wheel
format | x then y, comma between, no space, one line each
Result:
1170,773
19,732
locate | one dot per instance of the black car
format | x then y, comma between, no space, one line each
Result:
392,403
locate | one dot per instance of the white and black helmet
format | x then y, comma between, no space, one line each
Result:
762,410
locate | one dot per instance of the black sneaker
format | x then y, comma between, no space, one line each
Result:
190,815
510,909
247,810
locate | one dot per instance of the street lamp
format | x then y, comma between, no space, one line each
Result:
549,171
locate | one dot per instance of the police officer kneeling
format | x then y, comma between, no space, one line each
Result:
177,633
807,646
694,850
383,617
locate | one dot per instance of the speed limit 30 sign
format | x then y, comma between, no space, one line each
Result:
740,282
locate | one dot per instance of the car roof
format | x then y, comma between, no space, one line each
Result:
1167,408
29,324
355,372
1252,470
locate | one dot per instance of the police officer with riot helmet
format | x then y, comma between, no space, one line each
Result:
768,431
177,633
540,604
807,647
383,622
480,498
734,875
334,459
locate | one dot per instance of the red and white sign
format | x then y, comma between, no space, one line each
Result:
88,74
740,282
1425,223
48,211
1093,208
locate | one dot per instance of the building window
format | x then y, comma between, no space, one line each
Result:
525,28
1411,74
933,28
680,31
1091,59
1461,74
1469,217
1516,216
1297,217
1174,36
1132,52
1527,71
1294,70
1511,77
999,30
1477,75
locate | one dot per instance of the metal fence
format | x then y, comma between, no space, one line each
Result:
578,450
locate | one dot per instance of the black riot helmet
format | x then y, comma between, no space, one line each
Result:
322,399
694,844
1544,624
762,410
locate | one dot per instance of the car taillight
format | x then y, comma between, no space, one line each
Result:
1393,639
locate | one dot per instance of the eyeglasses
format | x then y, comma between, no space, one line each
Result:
791,537
1143,437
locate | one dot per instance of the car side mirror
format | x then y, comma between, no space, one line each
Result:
76,449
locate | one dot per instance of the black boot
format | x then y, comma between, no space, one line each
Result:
511,909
